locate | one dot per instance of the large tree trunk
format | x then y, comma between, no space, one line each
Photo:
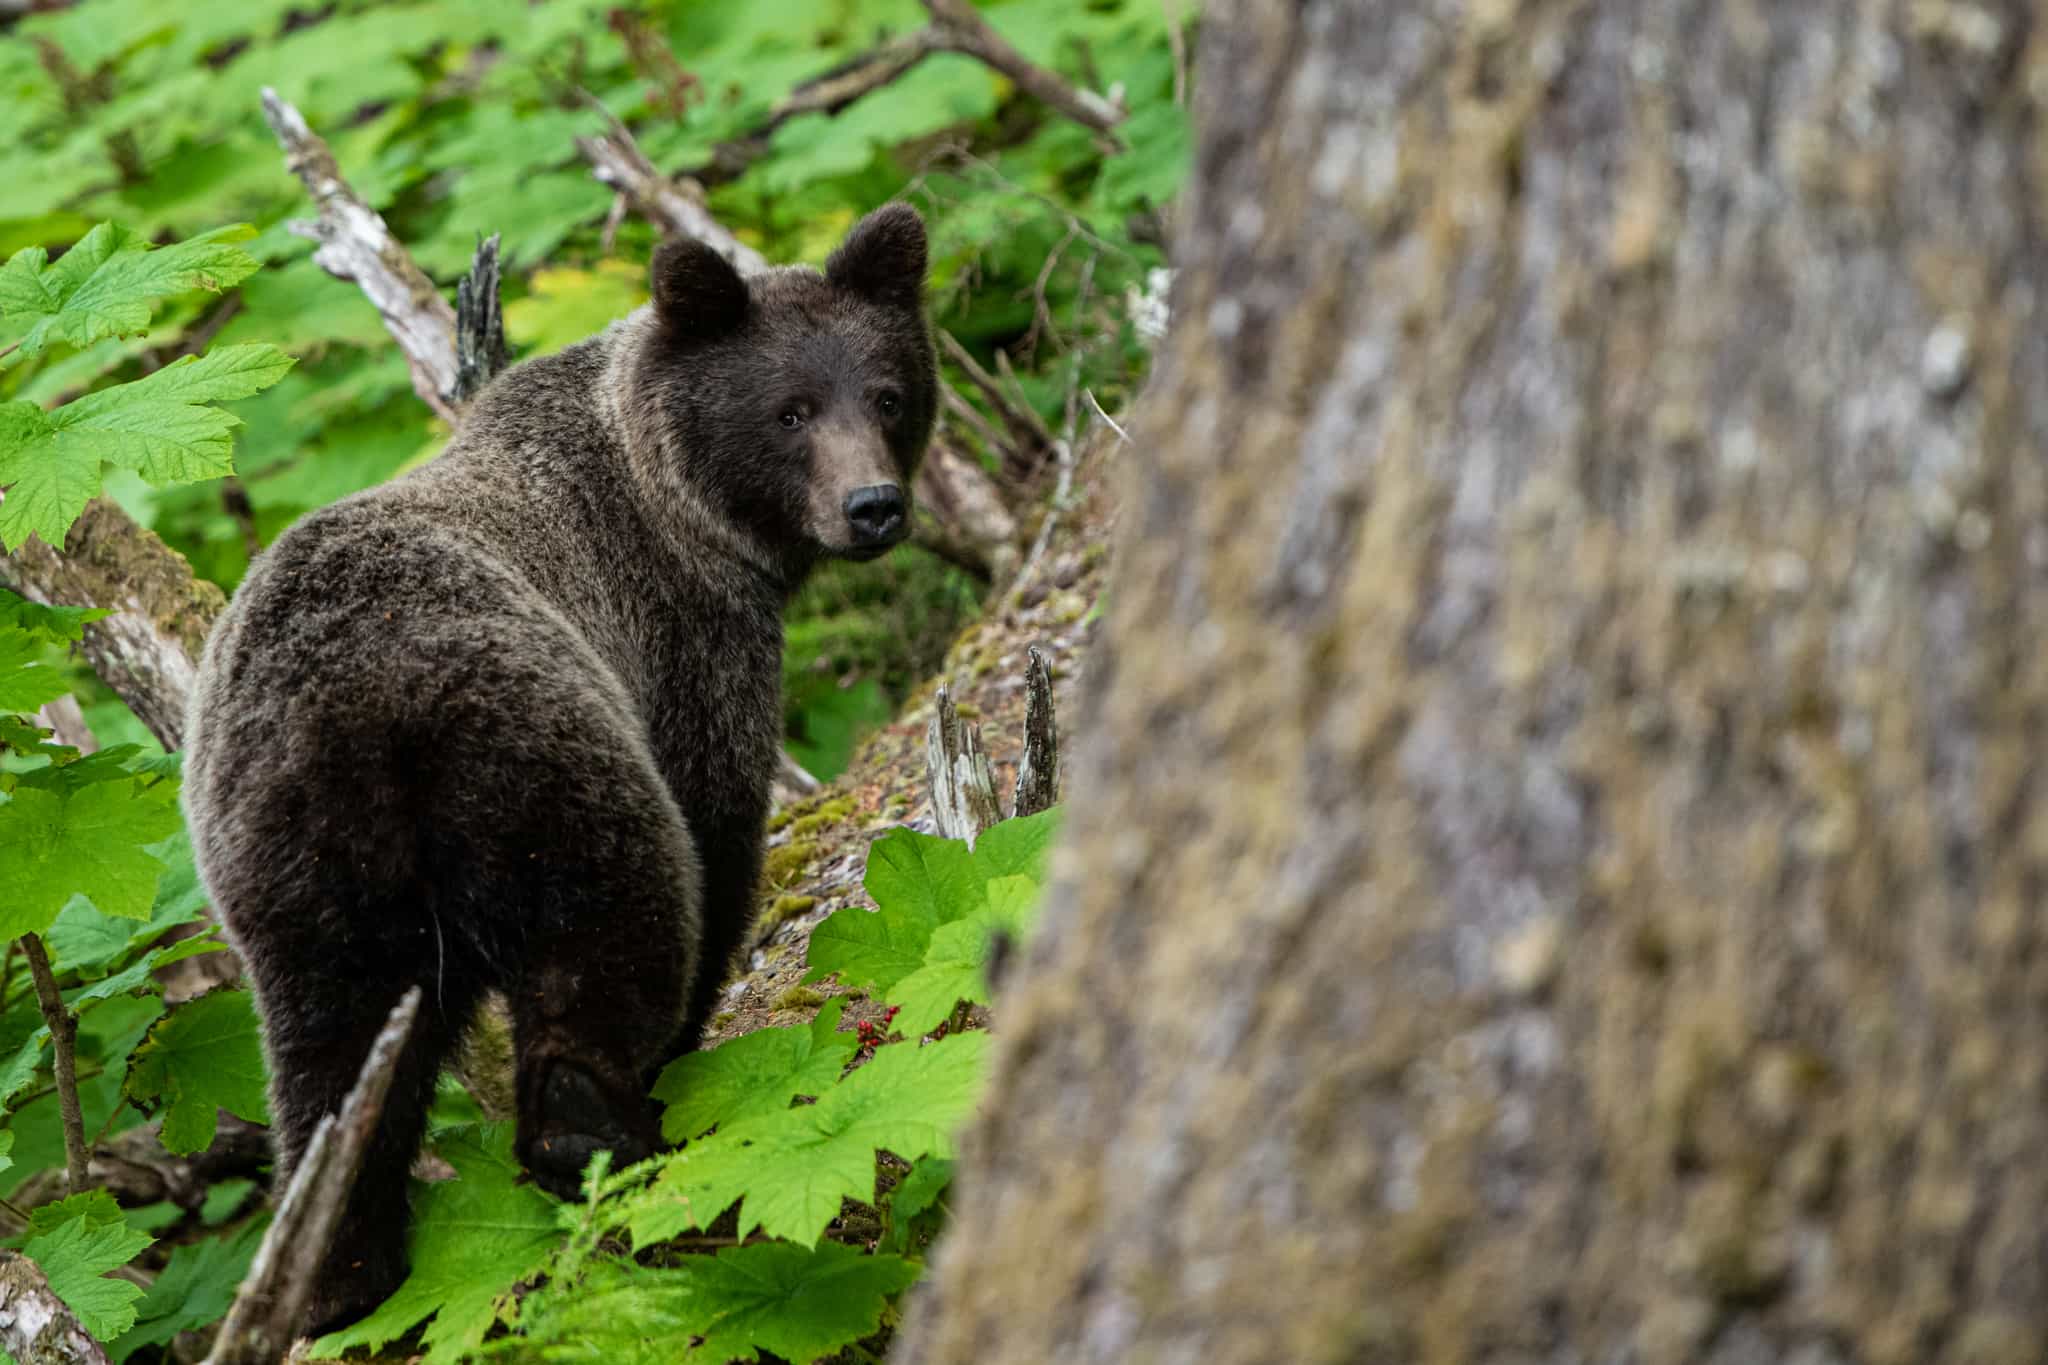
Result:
1556,864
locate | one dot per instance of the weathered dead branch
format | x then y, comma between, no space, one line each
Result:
1025,441
259,1326
955,27
963,784
480,351
616,160
1038,771
962,514
148,650
36,1327
356,244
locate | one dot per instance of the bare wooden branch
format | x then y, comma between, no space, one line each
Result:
148,649
962,29
63,1025
1030,441
480,351
963,783
356,244
259,1326
958,409
616,159
66,722
962,515
955,27
1038,771
37,1327
793,781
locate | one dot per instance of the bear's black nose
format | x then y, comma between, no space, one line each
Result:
876,514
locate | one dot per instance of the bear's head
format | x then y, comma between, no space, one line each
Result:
792,407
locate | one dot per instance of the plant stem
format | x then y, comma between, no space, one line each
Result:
64,1031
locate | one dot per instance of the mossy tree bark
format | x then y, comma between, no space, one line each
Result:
1556,861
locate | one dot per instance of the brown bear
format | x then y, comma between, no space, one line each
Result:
508,723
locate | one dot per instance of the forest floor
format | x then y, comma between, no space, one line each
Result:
818,847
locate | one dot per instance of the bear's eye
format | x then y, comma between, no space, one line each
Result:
791,419
890,404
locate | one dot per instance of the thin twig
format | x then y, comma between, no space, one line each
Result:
1122,435
64,1032
266,1310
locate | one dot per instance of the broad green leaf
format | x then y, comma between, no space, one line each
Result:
76,1242
104,285
567,305
802,1303
85,942
915,1194
205,1055
26,680
1017,848
195,1289
756,1073
922,877
89,842
6,1148
161,426
866,947
63,625
23,1039
956,961
794,1168
473,1238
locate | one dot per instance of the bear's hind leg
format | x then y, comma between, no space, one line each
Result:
315,1056
597,1006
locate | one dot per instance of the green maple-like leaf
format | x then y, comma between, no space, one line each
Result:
205,1055
63,625
473,1238
76,1242
956,960
26,681
918,883
161,426
196,1288
802,1303
57,841
105,285
794,1168
757,1073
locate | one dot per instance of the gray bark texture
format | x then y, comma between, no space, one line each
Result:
1556,859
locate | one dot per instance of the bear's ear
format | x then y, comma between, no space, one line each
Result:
882,259
697,292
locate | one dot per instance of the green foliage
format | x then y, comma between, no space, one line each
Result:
104,285
957,956
76,1242
919,884
802,1303
203,1056
473,1238
759,1073
81,830
194,1289
792,1169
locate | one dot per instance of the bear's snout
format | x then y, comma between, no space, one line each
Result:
877,516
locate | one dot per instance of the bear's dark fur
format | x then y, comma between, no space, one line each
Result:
508,723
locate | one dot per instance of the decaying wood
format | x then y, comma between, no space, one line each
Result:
36,1327
148,650
1038,770
260,1325
961,514
63,1026
963,785
1553,871
793,781
356,244
480,350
